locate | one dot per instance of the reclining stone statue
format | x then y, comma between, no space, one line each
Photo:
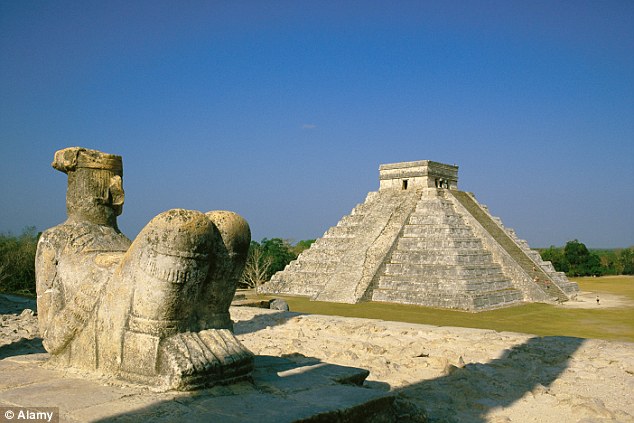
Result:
154,311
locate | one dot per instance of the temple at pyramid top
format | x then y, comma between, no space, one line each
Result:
419,174
419,240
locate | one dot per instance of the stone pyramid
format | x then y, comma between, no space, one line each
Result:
419,240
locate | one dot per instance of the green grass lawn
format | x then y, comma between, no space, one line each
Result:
538,319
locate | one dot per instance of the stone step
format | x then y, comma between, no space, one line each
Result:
319,256
315,267
430,219
436,204
410,232
299,283
441,258
496,299
350,220
461,271
509,245
443,271
437,230
329,244
358,265
464,243
342,232
449,299
432,284
437,299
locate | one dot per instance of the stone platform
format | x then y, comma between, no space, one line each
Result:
283,390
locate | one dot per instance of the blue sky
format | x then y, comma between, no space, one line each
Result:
282,111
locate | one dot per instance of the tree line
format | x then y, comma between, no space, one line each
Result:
575,259
265,258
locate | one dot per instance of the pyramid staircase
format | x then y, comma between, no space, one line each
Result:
542,273
439,262
339,266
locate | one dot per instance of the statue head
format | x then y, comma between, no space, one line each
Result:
95,189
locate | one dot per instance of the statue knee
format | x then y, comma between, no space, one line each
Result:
229,254
174,251
234,232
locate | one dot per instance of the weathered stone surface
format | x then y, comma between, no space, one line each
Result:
281,390
419,240
153,311
461,374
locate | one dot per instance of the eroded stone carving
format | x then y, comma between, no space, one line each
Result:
154,311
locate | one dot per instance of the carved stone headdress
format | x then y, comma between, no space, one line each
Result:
94,178
69,159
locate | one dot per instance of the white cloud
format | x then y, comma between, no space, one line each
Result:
309,126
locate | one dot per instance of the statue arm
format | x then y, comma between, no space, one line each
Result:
50,295
59,320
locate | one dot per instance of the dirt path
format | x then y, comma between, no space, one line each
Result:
588,299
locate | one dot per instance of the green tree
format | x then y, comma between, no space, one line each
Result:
626,260
280,253
301,246
589,262
581,262
609,262
17,262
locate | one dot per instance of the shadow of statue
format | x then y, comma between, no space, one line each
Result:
466,394
261,321
295,385
284,389
469,393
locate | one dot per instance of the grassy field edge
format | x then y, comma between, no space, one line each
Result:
539,319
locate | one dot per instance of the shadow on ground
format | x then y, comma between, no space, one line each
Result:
465,394
468,394
21,347
284,389
261,321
